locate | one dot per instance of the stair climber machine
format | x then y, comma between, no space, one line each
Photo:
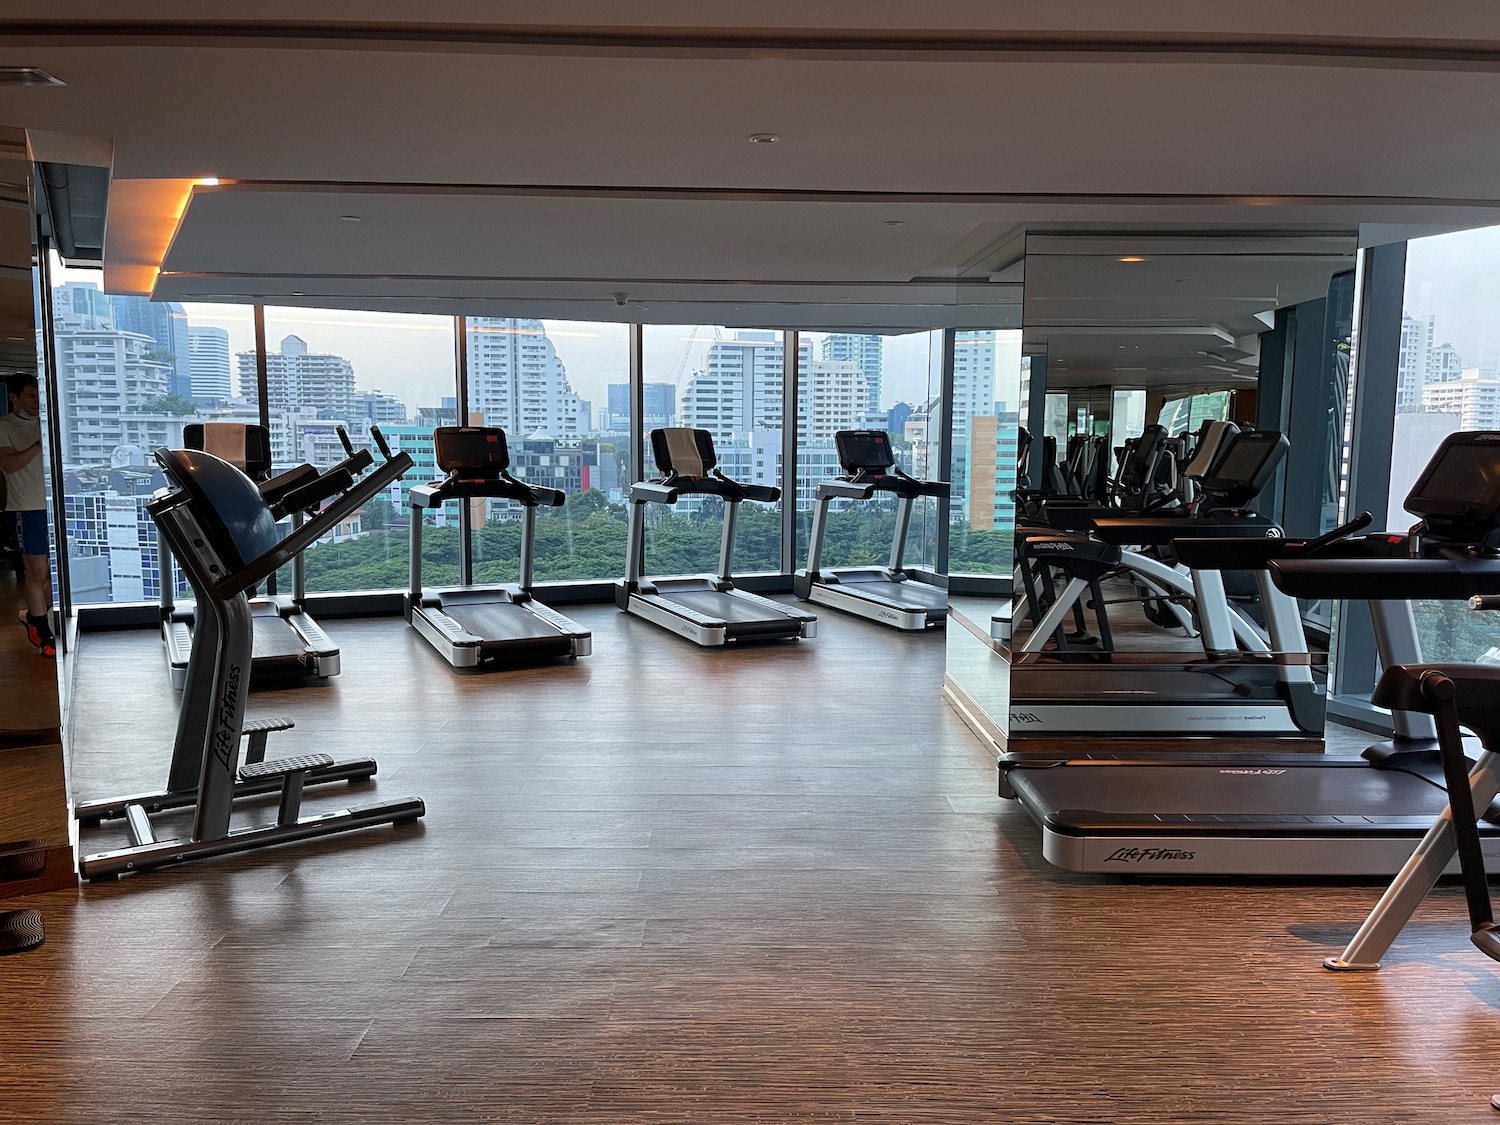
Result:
288,642
706,609
1303,814
886,594
1245,682
223,530
1456,696
470,625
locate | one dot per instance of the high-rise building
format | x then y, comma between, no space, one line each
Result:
1472,398
104,373
867,352
517,381
208,350
832,396
315,384
740,387
1446,365
659,406
1416,360
374,408
167,325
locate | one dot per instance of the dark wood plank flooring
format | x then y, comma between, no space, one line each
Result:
674,885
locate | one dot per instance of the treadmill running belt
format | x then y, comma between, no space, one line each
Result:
743,618
912,593
505,626
277,641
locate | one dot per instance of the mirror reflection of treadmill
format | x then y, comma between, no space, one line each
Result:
288,643
886,594
1240,685
1303,814
473,625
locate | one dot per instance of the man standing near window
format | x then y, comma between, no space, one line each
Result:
26,504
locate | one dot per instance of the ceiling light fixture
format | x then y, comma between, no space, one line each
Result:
764,138
28,76
207,181
894,223
1132,258
350,218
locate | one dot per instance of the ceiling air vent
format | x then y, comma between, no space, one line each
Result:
27,76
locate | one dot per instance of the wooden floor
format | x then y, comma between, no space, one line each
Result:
674,885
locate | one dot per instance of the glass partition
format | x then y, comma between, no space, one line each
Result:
131,374
731,382
1448,380
560,390
327,368
986,396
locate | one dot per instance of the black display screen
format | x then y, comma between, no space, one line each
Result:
457,448
1243,461
1465,473
864,449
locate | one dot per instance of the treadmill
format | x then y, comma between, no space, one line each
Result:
1296,814
886,594
288,643
470,625
706,609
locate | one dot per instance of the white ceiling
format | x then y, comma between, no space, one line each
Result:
580,157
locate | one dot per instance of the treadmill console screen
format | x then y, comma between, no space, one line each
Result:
864,449
1462,481
470,448
1243,460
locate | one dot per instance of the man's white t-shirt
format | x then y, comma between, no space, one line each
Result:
24,487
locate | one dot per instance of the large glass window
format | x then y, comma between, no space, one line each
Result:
1448,380
131,374
865,381
730,382
986,404
560,391
328,368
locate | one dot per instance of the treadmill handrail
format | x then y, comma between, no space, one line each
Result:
501,487
310,532
666,490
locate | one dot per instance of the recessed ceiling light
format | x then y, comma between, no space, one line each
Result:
28,76
1132,258
764,138
350,218
894,223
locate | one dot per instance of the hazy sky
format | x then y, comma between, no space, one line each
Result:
411,356
1456,277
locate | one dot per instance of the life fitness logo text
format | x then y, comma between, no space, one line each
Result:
227,736
1145,855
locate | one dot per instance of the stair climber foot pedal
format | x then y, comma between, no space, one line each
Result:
20,930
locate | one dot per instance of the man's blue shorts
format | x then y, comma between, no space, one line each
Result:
31,532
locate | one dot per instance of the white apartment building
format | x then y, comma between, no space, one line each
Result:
317,384
103,374
210,368
517,381
833,396
740,387
1415,364
867,352
1446,365
1474,398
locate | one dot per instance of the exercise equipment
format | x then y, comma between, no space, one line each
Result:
706,609
1295,814
222,528
288,642
469,625
886,594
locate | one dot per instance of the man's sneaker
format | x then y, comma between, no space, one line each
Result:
41,638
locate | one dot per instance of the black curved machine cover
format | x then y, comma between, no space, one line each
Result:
228,504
